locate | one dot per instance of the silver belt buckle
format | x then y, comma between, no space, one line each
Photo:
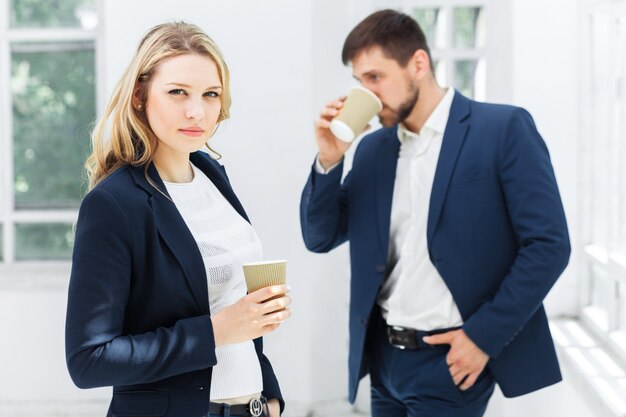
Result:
256,407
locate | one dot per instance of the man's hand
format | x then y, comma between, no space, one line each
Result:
331,149
465,360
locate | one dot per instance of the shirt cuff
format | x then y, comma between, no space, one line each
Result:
320,169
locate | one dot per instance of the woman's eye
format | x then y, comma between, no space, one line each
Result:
211,94
177,92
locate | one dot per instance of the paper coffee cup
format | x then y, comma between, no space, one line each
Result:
263,274
358,109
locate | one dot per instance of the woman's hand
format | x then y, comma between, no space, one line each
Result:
273,408
252,316
331,149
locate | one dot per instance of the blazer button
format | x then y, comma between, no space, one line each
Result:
200,388
363,323
380,269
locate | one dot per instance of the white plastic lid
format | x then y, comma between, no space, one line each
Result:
342,131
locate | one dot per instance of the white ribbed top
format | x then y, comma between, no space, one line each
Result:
226,241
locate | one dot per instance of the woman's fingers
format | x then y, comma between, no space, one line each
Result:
266,293
276,304
276,317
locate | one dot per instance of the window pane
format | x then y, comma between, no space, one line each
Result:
54,14
441,72
433,23
53,91
620,142
464,77
604,293
43,242
469,27
602,91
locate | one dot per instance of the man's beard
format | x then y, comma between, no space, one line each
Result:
405,109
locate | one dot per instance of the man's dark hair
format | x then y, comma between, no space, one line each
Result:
396,33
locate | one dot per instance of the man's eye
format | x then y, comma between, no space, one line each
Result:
177,92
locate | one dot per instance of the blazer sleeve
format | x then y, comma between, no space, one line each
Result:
98,352
536,212
323,210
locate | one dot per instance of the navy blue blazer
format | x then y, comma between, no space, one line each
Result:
138,310
496,234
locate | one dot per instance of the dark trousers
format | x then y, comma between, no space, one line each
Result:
417,383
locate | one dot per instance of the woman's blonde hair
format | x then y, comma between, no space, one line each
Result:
131,141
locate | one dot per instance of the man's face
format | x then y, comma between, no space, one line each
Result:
393,84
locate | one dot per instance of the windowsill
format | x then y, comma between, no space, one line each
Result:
35,276
597,368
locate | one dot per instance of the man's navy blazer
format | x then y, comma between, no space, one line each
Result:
496,234
138,311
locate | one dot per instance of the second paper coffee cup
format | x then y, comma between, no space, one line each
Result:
358,109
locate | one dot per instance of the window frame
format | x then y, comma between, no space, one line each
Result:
603,252
46,274
450,54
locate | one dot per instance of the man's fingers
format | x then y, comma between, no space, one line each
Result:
439,339
459,377
329,112
454,370
322,123
469,381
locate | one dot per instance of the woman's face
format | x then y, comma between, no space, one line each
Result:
183,102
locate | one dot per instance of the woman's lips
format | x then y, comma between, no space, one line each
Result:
192,132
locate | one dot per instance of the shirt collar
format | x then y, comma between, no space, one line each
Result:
436,122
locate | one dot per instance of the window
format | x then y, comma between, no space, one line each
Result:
456,35
603,198
48,61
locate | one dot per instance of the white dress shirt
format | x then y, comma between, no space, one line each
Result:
414,295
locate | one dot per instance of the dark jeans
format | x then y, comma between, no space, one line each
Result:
417,383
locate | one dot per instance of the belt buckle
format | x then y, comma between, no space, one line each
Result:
402,338
255,407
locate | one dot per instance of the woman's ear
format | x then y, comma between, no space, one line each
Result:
137,100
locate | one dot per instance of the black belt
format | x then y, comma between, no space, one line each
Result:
411,339
252,409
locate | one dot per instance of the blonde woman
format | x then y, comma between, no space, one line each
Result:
157,303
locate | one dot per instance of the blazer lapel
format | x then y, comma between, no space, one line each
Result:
453,138
387,161
217,175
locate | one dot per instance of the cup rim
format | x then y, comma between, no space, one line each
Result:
257,263
371,93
